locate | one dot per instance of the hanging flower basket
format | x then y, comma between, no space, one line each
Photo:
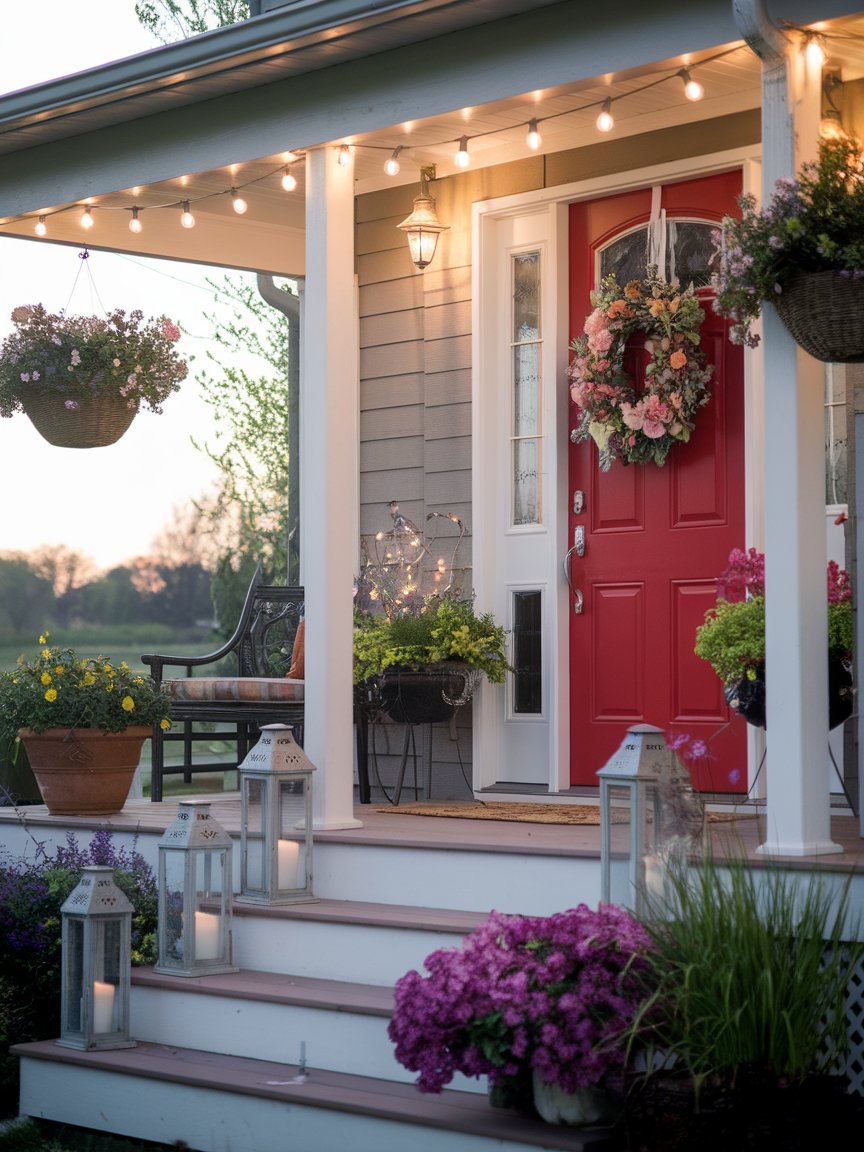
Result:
747,696
79,419
83,379
425,696
823,312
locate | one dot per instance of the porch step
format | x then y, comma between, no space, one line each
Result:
220,1103
346,939
339,1025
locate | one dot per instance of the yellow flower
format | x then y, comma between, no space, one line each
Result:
59,670
45,678
43,639
124,667
127,704
46,653
88,678
51,695
163,724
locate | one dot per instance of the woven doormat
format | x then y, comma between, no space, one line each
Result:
528,813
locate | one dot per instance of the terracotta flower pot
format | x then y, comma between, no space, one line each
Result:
84,771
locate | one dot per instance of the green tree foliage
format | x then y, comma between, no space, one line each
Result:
26,596
248,517
170,20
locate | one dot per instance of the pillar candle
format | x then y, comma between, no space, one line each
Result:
288,859
103,1006
206,936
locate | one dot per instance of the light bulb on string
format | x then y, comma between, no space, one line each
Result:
606,121
533,139
814,51
41,227
462,158
289,180
135,224
392,165
693,90
344,155
87,219
237,202
187,220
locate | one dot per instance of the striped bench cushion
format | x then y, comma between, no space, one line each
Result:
249,689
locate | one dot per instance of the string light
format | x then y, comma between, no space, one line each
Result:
606,121
392,165
814,51
693,90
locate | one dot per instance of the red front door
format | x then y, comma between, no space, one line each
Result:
655,538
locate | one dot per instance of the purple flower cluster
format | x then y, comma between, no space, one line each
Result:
553,994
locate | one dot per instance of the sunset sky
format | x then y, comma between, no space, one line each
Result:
108,502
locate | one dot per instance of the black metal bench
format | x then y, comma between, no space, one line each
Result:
249,685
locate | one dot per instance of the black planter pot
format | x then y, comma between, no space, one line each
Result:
423,696
747,697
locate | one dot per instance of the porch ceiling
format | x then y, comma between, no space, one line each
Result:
270,236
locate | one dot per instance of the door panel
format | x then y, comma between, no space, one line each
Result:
655,538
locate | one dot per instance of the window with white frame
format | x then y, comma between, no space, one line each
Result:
526,434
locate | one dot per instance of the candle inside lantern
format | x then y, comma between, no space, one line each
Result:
206,936
103,1006
288,863
655,884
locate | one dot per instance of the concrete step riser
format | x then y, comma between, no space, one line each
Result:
216,1121
358,953
423,877
341,1041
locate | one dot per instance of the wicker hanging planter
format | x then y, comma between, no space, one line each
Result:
823,312
79,419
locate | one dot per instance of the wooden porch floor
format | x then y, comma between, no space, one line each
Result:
739,832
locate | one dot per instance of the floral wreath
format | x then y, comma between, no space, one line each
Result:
639,427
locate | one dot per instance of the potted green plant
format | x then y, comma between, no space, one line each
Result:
742,1033
536,1003
83,722
732,639
803,253
422,663
82,379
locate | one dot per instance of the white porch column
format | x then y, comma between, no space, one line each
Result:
798,812
329,433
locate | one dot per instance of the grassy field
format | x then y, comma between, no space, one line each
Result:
118,643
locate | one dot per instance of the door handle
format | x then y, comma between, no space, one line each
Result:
575,592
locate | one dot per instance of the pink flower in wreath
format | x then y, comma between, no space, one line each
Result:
600,341
653,429
632,417
594,322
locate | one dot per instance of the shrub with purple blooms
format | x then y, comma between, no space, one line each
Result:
524,993
32,891
812,224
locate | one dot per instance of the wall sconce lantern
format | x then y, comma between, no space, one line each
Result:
423,226
195,894
96,963
276,820
647,809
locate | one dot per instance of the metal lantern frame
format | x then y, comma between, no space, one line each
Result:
195,894
276,840
96,927
630,786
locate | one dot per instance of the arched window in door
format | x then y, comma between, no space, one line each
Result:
687,257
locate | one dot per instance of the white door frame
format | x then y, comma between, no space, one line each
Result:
491,577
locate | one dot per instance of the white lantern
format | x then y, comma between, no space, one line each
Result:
96,930
195,894
276,820
646,804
